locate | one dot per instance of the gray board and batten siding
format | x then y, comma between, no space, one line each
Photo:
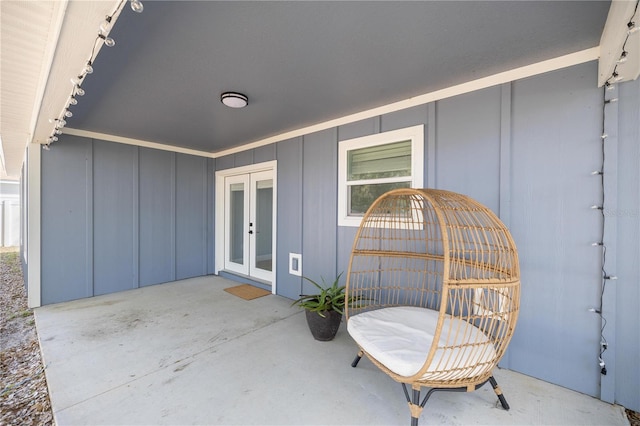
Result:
116,217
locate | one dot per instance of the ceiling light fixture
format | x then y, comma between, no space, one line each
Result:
234,100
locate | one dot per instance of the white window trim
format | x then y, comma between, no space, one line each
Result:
415,134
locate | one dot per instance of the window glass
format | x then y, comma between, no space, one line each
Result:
362,196
382,161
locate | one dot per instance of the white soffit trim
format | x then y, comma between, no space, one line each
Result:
75,43
136,142
613,38
30,32
565,61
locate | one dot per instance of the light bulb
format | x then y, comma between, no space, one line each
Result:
79,91
105,26
62,123
58,132
623,57
632,28
68,113
137,6
73,101
88,69
108,41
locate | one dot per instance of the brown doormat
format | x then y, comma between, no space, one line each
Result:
247,291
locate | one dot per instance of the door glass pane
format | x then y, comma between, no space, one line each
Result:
264,224
236,223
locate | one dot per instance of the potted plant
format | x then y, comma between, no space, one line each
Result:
324,309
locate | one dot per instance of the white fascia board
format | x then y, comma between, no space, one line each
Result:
135,142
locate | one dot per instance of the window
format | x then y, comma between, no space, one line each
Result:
372,165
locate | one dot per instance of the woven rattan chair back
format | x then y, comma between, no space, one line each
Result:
452,257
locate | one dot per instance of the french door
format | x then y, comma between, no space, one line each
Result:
249,224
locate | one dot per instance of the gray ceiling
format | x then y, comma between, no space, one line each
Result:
301,63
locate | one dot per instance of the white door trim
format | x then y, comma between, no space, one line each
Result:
220,207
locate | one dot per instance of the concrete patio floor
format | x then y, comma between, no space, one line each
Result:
190,353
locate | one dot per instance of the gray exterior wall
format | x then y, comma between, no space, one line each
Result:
625,292
117,217
525,149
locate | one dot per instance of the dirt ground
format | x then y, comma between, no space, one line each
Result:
24,396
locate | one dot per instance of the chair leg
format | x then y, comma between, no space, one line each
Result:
356,360
414,403
415,407
498,392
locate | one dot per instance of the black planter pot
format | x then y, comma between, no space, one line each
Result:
324,328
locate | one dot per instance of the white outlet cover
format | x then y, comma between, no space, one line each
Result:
295,264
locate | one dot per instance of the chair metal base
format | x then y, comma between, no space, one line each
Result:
416,406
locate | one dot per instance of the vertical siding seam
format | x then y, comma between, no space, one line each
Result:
504,174
431,146
504,194
609,238
336,149
136,217
90,284
211,229
301,204
205,222
174,222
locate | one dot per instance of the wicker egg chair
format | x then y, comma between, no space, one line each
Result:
434,285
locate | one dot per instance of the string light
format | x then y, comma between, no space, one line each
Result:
137,6
600,243
605,277
108,41
623,57
104,28
632,27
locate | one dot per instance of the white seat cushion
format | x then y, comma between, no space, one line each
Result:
400,339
